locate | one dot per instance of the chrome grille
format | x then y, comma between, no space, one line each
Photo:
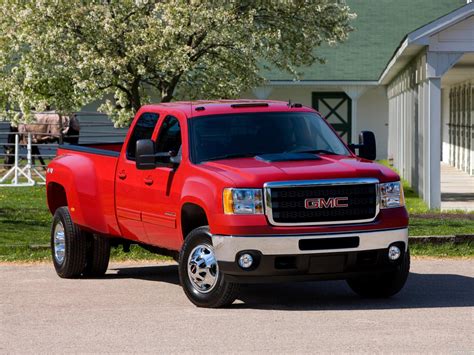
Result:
285,201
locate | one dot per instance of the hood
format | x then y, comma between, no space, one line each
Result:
253,172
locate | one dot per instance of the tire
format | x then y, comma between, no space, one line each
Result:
68,245
213,294
384,285
98,254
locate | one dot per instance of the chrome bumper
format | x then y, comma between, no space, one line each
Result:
226,247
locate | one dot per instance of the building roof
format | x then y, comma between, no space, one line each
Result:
414,41
379,26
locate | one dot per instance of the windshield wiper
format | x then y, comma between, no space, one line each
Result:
313,151
231,156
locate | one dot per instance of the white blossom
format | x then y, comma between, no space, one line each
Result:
65,54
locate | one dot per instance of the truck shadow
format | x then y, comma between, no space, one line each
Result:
421,291
162,273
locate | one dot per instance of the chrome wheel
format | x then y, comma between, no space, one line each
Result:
203,270
59,243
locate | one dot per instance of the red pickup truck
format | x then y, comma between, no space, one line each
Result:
237,192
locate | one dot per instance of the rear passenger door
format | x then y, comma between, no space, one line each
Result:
130,190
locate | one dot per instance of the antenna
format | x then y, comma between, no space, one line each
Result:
291,104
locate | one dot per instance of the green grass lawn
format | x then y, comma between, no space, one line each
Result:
25,225
464,250
441,224
24,216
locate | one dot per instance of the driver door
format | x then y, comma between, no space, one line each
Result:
161,206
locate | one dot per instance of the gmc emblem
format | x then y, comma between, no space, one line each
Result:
320,202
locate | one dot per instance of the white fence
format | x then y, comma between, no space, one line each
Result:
22,174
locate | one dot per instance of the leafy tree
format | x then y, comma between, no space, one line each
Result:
69,53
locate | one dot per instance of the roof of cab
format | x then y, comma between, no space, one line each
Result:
214,107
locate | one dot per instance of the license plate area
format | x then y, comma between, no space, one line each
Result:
329,243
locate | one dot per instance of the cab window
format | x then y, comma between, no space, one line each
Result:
143,130
169,138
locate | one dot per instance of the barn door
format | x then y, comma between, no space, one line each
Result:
336,108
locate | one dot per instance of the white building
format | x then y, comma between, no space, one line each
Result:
418,97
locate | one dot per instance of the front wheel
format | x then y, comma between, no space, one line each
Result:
384,285
199,272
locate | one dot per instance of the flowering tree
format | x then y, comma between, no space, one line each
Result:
68,53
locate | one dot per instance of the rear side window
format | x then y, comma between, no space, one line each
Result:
143,130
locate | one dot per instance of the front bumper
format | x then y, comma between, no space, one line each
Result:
322,256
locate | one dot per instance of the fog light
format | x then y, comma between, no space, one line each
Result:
394,252
245,261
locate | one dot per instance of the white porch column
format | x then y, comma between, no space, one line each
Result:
354,92
433,144
437,64
445,110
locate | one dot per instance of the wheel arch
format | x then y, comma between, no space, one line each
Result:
56,196
193,216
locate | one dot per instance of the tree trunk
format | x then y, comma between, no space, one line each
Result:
167,93
166,98
167,90
134,98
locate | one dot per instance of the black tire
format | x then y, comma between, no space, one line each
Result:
75,246
223,293
384,285
98,255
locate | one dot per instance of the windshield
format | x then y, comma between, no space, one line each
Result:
249,134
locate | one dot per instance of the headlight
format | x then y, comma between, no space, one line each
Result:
243,201
391,195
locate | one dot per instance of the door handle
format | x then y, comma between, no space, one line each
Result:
122,175
148,181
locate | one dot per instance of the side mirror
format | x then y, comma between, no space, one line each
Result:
145,154
367,147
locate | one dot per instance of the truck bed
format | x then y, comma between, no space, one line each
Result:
88,173
109,149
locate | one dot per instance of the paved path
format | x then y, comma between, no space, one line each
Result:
457,189
141,308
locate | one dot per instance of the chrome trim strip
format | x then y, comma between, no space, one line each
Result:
314,234
227,247
308,183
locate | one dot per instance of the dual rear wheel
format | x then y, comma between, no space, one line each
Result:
76,252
